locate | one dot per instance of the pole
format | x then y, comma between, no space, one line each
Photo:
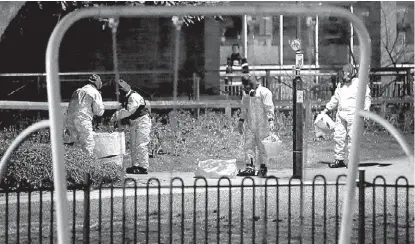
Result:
361,206
298,117
87,213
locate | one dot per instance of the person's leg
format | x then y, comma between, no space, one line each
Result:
72,132
143,139
350,119
250,154
339,140
86,135
261,134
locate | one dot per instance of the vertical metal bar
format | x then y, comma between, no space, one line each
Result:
316,43
176,60
123,211
351,38
159,211
182,215
51,215
18,215
6,217
194,209
40,214
218,214
362,186
147,208
289,210
100,213
337,210
298,124
313,211
230,212
396,213
74,216
245,35
253,212
374,211
242,211
87,209
407,211
281,40
171,213
112,214
325,210
29,215
135,212
385,218
206,212
277,221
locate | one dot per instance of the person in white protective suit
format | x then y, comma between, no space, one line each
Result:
86,102
256,123
135,112
344,99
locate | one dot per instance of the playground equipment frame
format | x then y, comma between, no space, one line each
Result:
54,98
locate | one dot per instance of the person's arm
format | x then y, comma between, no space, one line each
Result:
98,105
269,105
334,101
133,103
368,99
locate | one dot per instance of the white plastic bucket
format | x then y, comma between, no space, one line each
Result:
109,144
273,146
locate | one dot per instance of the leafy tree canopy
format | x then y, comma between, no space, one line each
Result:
62,8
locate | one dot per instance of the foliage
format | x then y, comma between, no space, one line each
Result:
31,164
64,7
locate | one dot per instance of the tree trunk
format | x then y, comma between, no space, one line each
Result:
8,10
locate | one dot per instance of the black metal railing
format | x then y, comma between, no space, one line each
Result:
275,211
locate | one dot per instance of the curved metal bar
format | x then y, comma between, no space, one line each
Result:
19,139
395,133
54,98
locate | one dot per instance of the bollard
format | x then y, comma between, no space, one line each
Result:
87,217
361,206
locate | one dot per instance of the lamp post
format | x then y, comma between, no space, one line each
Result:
298,111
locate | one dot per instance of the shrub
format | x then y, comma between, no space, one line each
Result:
31,166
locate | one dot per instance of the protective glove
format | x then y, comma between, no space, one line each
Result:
241,127
114,118
271,125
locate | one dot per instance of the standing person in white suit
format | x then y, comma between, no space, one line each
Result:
86,102
256,122
344,99
134,110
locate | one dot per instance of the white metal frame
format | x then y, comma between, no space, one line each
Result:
54,98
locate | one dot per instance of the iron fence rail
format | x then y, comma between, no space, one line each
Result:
148,211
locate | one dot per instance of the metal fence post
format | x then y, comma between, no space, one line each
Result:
361,207
87,217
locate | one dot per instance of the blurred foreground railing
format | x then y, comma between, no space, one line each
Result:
256,210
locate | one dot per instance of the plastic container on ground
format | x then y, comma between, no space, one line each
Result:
216,168
109,144
273,146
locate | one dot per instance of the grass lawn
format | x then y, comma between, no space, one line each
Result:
374,146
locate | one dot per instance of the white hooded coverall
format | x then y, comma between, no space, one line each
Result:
85,103
140,129
256,111
344,99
